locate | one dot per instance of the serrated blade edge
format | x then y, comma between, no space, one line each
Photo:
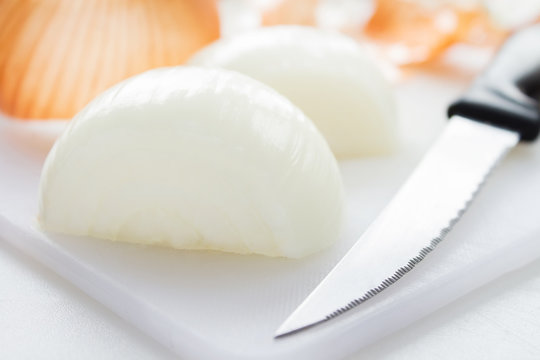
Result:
424,210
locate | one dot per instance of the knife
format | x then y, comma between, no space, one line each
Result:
500,109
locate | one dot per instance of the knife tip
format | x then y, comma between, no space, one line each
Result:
290,327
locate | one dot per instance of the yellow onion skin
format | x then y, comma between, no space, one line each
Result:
56,55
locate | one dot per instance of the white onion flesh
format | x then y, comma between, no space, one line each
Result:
327,75
196,159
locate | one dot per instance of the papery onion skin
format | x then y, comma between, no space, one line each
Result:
327,75
56,55
297,12
194,158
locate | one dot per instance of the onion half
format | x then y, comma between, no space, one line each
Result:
327,75
196,159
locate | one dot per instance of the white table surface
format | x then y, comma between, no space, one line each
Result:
43,316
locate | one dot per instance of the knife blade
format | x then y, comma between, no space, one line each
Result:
500,109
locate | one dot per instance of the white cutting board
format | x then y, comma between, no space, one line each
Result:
208,305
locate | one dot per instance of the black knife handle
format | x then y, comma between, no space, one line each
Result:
507,94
